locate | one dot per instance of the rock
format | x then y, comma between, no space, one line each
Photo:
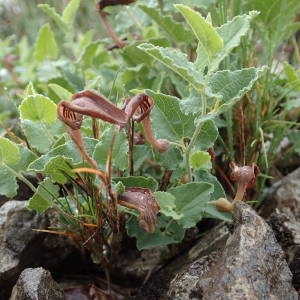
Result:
249,265
284,196
36,284
22,247
16,224
282,208
252,265
287,232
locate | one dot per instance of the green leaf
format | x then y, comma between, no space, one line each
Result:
200,160
160,237
89,52
140,153
206,176
167,119
210,43
292,77
26,157
8,183
59,169
38,108
175,30
176,61
210,210
231,33
207,136
167,205
191,201
40,135
119,152
45,46
67,150
9,152
229,87
192,104
169,160
61,92
138,181
51,12
169,122
134,56
70,11
29,90
44,196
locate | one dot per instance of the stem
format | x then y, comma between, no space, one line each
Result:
240,193
77,139
110,31
21,178
130,135
189,148
193,139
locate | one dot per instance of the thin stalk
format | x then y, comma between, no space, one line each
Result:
109,30
130,135
188,150
21,178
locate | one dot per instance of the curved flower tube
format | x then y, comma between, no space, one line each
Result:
160,145
138,109
142,200
90,104
245,178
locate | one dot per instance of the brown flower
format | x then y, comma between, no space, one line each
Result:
143,200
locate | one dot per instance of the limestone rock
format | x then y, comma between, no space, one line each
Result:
36,284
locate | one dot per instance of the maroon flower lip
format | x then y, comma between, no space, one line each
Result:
245,177
91,104
143,201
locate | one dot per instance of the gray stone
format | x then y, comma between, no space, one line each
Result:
284,196
287,232
16,224
22,247
252,265
36,284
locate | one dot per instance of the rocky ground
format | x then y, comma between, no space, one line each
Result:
258,257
